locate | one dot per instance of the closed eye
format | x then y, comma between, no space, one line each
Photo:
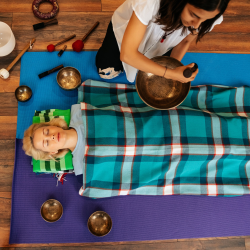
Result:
193,15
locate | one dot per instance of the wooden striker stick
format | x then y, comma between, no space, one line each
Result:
65,40
93,27
20,54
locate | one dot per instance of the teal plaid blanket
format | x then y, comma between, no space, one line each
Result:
198,148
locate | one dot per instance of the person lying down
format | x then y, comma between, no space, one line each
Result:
123,147
52,140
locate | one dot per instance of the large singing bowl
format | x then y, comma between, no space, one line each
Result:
159,92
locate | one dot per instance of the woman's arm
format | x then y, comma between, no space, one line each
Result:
129,53
180,50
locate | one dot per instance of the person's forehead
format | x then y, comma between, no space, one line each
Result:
203,13
38,137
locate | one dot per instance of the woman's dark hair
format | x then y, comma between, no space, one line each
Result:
170,12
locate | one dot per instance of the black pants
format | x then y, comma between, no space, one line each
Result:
108,61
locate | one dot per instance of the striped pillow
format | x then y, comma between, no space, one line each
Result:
62,164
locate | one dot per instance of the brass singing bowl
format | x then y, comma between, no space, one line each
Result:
68,78
51,210
99,223
159,92
23,93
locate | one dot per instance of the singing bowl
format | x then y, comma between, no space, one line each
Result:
99,223
68,78
7,39
159,92
51,210
23,93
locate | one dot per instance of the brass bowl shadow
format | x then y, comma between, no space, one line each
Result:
68,78
159,92
51,210
23,93
99,223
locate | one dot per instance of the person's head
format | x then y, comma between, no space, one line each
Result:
191,14
45,141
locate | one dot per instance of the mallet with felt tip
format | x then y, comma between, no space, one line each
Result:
51,47
78,44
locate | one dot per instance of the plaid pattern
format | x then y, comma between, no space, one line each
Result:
198,148
62,164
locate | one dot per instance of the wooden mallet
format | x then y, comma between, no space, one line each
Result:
4,73
51,47
78,44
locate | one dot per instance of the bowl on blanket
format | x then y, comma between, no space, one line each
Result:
99,223
51,210
159,92
68,78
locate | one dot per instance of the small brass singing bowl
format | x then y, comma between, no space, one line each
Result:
23,93
51,210
68,78
159,92
99,223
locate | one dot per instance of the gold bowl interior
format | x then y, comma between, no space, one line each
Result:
69,78
51,210
99,223
23,93
159,92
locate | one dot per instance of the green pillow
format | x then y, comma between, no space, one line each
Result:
50,166
49,114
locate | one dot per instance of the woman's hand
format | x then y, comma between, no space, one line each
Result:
177,74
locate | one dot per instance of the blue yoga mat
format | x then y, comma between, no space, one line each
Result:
222,69
46,92
135,218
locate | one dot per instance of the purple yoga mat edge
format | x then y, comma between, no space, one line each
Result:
180,217
13,181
